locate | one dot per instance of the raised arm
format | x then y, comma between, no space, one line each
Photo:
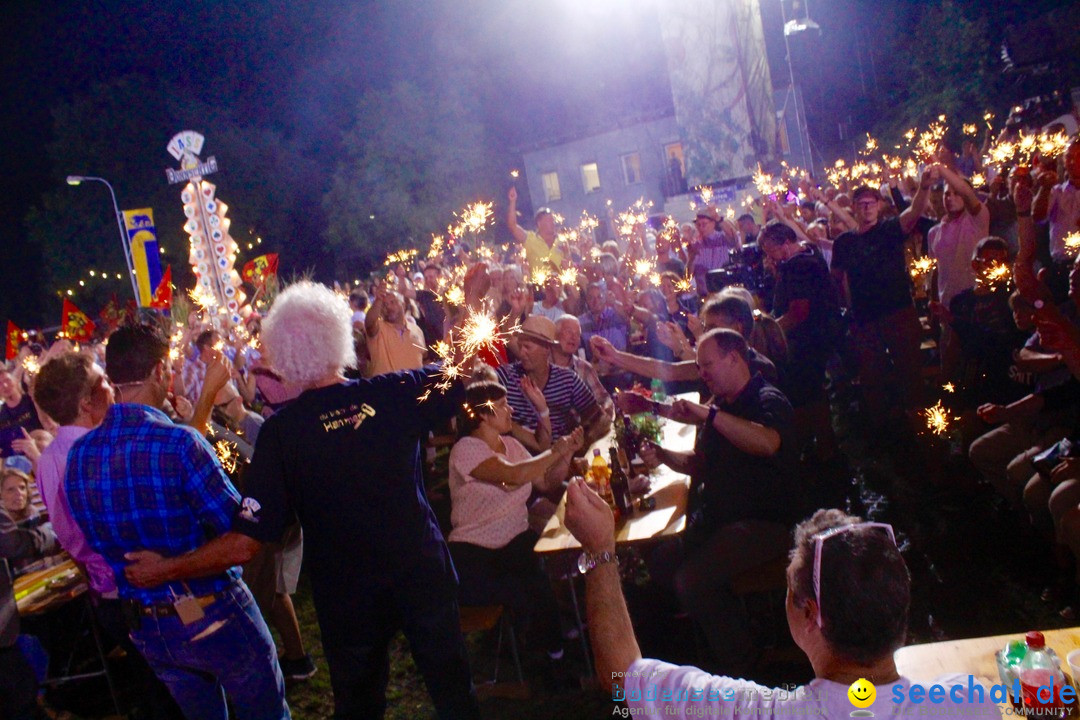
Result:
612,634
511,216
962,188
648,367
910,217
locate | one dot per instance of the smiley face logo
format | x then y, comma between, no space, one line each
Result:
862,693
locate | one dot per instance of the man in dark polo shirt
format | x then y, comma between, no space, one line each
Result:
744,494
807,309
344,458
869,265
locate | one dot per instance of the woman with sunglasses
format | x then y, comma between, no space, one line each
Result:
848,596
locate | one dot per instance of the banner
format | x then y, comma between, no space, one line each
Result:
720,85
258,270
14,336
162,299
75,324
142,236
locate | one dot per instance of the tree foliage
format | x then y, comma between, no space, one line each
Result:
947,65
414,156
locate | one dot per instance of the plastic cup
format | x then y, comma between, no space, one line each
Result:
1073,658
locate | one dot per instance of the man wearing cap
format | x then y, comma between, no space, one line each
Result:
569,399
713,249
540,245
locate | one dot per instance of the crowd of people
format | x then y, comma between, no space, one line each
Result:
327,401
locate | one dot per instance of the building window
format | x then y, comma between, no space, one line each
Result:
631,168
675,170
551,186
590,177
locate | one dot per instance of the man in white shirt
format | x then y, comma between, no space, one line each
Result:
848,625
952,244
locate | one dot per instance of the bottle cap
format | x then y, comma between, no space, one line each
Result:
1035,639
596,452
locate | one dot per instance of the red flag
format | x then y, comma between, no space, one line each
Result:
162,299
75,324
256,271
14,336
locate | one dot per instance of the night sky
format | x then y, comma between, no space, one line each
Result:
554,67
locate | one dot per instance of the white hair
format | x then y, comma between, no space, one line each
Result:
308,334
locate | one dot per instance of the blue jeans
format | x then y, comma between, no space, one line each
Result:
227,652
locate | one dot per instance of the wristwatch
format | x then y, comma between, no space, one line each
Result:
587,561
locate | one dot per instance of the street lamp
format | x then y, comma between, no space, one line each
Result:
78,179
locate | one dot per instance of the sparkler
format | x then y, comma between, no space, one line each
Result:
479,331
949,387
401,257
970,129
227,455
995,276
1072,243
31,365
705,193
643,267
514,174
937,418
569,276
922,266
475,217
203,298
978,180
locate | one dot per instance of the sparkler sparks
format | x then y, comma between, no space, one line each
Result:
514,174
401,257
921,267
569,276
937,419
970,129
643,267
31,365
475,217
995,276
203,298
1072,244
227,455
949,387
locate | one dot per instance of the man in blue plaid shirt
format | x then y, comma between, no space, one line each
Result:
140,482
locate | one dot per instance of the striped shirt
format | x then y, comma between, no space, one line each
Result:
140,482
568,398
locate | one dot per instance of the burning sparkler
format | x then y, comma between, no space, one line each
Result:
922,267
227,455
1072,244
401,257
937,418
31,365
994,276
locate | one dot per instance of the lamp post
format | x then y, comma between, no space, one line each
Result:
79,179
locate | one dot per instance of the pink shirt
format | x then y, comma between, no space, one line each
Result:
952,243
52,467
482,513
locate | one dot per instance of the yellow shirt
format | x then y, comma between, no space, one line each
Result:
537,252
392,349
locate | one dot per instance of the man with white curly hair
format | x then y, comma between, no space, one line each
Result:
344,457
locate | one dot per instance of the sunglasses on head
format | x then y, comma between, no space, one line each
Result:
819,540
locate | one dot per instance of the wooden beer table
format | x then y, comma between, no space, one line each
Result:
668,488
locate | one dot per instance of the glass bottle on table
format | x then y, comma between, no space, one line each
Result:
620,486
600,474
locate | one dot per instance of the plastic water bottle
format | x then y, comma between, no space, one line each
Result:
1040,669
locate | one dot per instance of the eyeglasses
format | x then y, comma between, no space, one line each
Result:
820,539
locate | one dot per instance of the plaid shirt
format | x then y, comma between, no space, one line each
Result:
141,482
